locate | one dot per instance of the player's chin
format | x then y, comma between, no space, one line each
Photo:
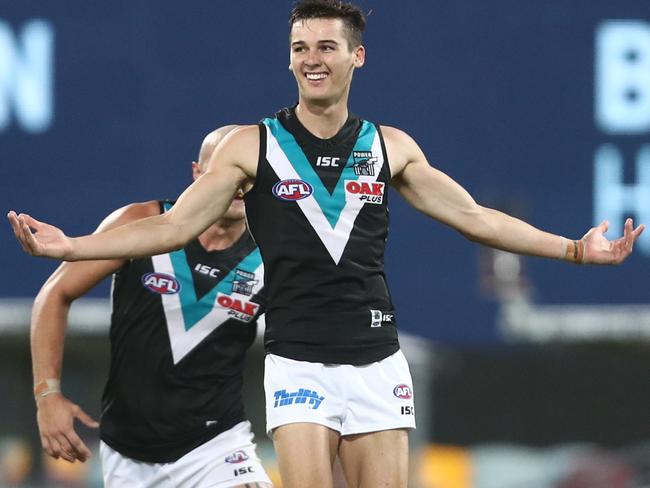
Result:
236,211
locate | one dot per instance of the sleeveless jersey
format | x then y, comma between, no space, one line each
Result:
180,327
319,213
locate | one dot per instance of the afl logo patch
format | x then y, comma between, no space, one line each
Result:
292,190
403,392
161,283
237,457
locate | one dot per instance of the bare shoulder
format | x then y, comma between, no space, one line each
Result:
394,134
242,135
129,213
401,149
240,148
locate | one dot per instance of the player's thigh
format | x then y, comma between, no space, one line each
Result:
305,454
375,459
226,461
119,471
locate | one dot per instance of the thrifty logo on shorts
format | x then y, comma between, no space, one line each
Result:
303,395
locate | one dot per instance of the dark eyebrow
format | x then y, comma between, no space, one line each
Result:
324,41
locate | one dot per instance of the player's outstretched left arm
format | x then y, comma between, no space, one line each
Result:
435,194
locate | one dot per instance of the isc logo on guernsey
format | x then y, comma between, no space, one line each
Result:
292,190
161,283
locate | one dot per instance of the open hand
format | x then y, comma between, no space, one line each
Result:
56,415
599,250
38,238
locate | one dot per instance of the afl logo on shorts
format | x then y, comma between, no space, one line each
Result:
161,283
403,392
237,457
292,190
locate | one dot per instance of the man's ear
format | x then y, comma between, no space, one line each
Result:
359,56
196,170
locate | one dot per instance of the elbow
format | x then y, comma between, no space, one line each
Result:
50,301
479,228
51,294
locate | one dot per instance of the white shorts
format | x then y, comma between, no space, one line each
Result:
225,461
346,398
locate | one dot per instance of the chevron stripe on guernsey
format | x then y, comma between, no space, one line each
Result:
330,215
190,320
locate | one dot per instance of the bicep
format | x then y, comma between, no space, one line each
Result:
430,190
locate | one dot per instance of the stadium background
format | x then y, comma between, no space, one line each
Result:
531,373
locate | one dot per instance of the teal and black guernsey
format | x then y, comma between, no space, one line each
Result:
319,213
180,327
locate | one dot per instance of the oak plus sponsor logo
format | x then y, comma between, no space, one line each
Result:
161,283
237,457
403,392
365,191
292,190
242,310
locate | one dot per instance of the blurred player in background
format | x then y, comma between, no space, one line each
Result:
316,180
172,409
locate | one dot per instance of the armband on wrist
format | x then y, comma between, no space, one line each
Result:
46,387
574,251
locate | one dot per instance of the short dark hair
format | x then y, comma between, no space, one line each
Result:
351,15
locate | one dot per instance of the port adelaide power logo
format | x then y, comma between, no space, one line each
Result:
361,189
240,309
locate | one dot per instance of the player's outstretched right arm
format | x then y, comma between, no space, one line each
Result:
232,166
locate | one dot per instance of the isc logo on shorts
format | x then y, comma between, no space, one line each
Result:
403,392
161,283
292,190
367,192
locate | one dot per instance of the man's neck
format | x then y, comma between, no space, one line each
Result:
322,121
222,235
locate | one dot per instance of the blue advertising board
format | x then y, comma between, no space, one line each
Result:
540,109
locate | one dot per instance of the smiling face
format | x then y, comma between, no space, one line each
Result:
322,60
